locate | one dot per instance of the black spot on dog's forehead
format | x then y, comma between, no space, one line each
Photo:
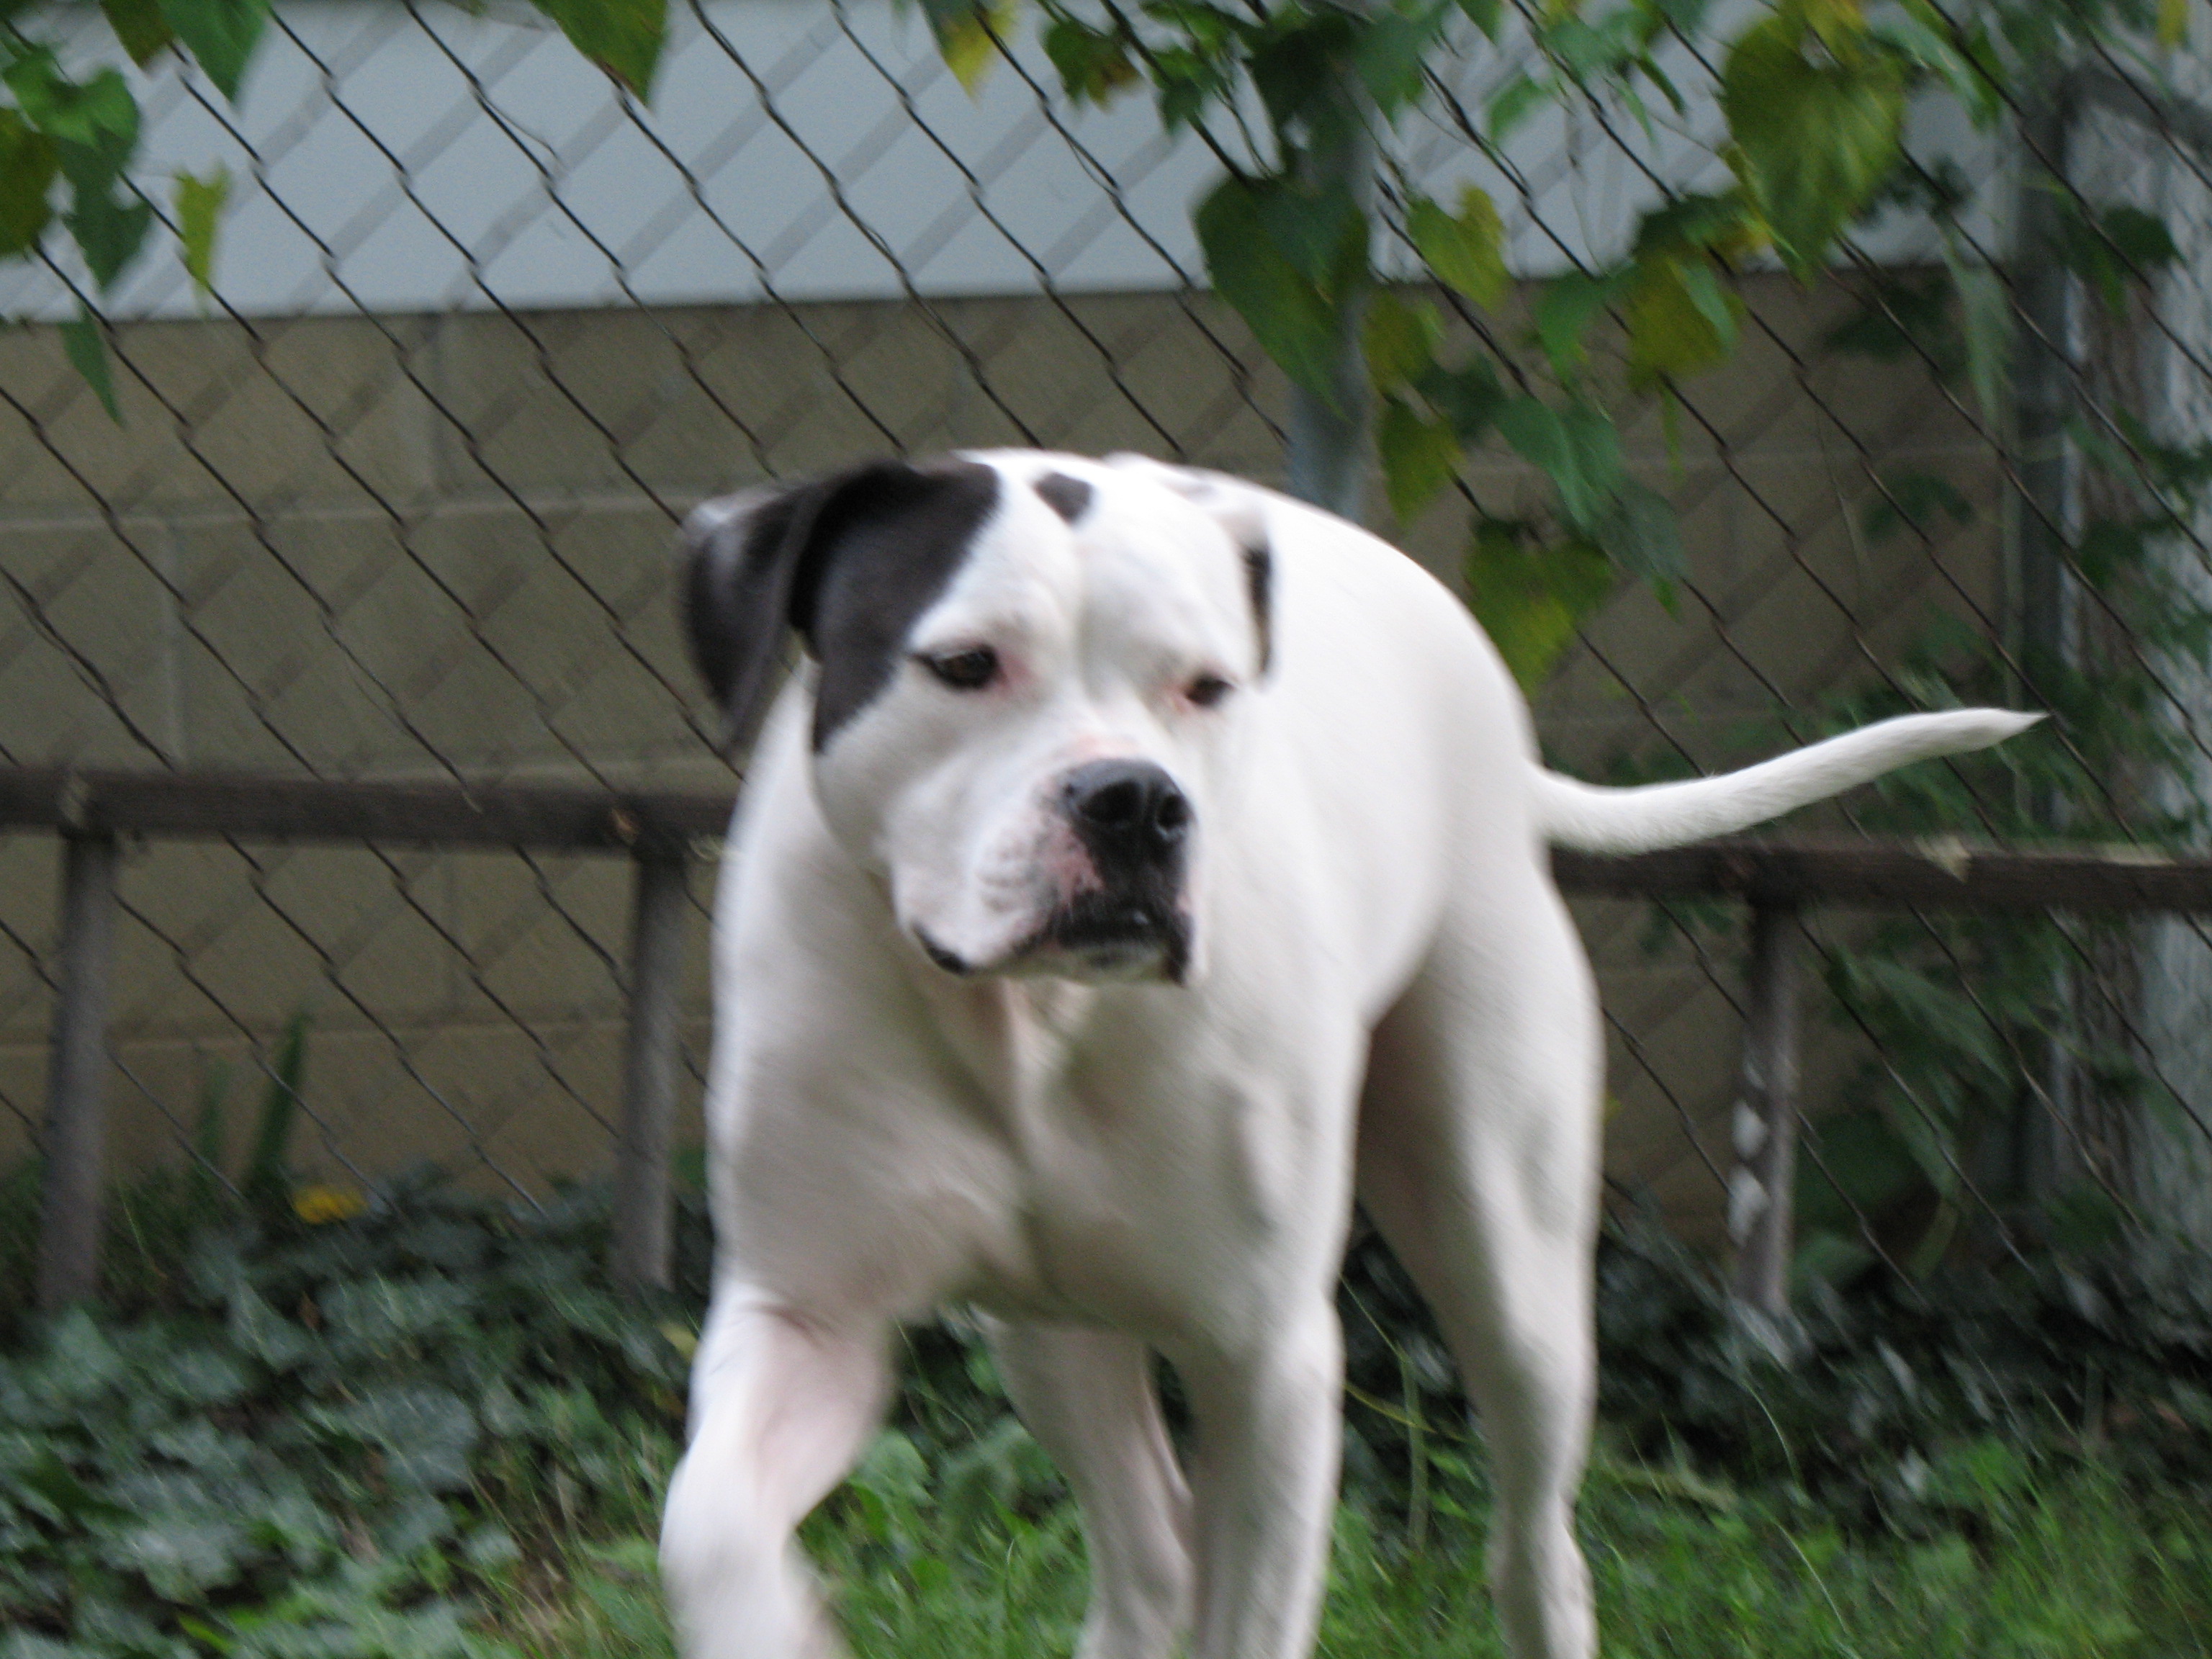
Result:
890,559
1069,497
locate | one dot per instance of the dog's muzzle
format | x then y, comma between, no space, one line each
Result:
1131,920
1135,823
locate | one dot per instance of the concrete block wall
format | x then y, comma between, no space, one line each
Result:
416,546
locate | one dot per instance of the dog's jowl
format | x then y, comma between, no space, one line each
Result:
1140,865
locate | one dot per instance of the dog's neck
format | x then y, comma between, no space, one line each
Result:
1015,1037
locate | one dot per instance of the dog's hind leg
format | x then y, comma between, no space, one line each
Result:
782,1405
1479,1149
1088,1397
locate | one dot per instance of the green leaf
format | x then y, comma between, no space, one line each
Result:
220,35
1640,533
1825,1257
1576,445
180,1556
108,232
968,31
1530,598
1692,221
199,206
1295,67
1515,102
1923,36
1294,321
259,1332
425,1432
1581,50
1094,64
1421,457
893,1469
624,37
1400,340
2108,548
1488,15
388,1314
98,118
140,27
1465,250
86,347
55,1484
1469,397
982,1484
267,1181
1392,53
2172,25
1566,308
1319,231
2139,237
1208,28
202,1376
1185,84
1860,1165
2113,248
1985,325
1812,140
1686,17
27,166
1917,501
1680,320
1897,315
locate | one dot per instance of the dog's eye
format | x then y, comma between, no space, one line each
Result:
970,670
1207,689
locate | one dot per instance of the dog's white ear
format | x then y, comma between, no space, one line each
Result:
1242,511
1237,507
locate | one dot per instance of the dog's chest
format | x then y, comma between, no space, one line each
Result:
1147,1161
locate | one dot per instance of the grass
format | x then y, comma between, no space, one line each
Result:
427,1431
2062,1562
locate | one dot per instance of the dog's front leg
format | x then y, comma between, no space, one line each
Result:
1264,1483
782,1403
1089,1398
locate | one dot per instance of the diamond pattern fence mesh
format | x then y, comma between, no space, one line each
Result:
396,499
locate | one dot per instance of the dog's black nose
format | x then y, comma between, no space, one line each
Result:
1127,809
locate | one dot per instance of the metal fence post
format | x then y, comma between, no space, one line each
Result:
76,1141
2047,525
1761,1186
642,1236
1325,462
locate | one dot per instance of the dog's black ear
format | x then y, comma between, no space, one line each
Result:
756,562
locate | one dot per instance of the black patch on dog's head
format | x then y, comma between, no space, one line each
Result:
1069,497
889,562
1259,584
849,560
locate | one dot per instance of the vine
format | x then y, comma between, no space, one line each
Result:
1812,97
68,137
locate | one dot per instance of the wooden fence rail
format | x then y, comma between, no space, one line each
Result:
95,810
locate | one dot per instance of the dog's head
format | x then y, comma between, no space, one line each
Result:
1028,675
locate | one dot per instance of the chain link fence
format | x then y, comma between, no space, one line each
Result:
395,501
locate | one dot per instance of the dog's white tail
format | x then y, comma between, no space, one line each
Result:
1592,819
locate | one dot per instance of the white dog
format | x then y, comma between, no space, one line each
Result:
1141,864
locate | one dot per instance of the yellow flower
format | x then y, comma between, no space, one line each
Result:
319,1206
